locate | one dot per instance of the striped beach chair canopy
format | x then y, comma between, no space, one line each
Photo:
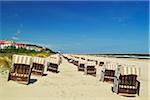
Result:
91,63
55,60
111,66
66,55
21,59
70,57
130,70
75,59
82,61
38,60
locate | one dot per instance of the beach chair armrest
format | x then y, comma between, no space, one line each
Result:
138,87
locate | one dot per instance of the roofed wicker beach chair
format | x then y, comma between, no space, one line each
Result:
81,65
90,68
21,68
53,64
75,61
108,72
101,63
126,80
38,66
96,61
66,56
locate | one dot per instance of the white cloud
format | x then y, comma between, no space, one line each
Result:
15,38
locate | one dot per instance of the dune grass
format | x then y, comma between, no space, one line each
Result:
6,58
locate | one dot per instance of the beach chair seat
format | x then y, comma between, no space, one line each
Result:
21,69
125,81
90,68
38,66
53,67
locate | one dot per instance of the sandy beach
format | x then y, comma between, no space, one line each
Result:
69,84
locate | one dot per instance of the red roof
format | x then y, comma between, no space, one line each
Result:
5,42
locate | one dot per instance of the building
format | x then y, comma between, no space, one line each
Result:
4,44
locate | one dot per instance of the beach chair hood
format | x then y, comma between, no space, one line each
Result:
21,59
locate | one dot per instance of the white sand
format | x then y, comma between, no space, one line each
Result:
69,84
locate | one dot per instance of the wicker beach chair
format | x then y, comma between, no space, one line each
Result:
59,58
67,57
108,72
21,69
81,65
96,61
53,64
75,61
90,68
38,66
101,63
83,58
126,80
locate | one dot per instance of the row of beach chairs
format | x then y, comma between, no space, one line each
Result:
123,77
85,65
23,66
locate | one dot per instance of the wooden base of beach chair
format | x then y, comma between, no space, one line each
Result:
93,73
127,90
108,79
37,72
25,79
53,67
38,69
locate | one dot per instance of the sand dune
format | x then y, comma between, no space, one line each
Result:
69,84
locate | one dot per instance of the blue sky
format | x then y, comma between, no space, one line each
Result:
78,27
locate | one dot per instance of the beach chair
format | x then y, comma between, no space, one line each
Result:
81,65
75,61
83,58
90,68
108,72
38,66
21,69
67,57
53,64
93,60
101,63
126,80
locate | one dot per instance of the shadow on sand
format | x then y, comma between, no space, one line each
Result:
32,81
128,95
